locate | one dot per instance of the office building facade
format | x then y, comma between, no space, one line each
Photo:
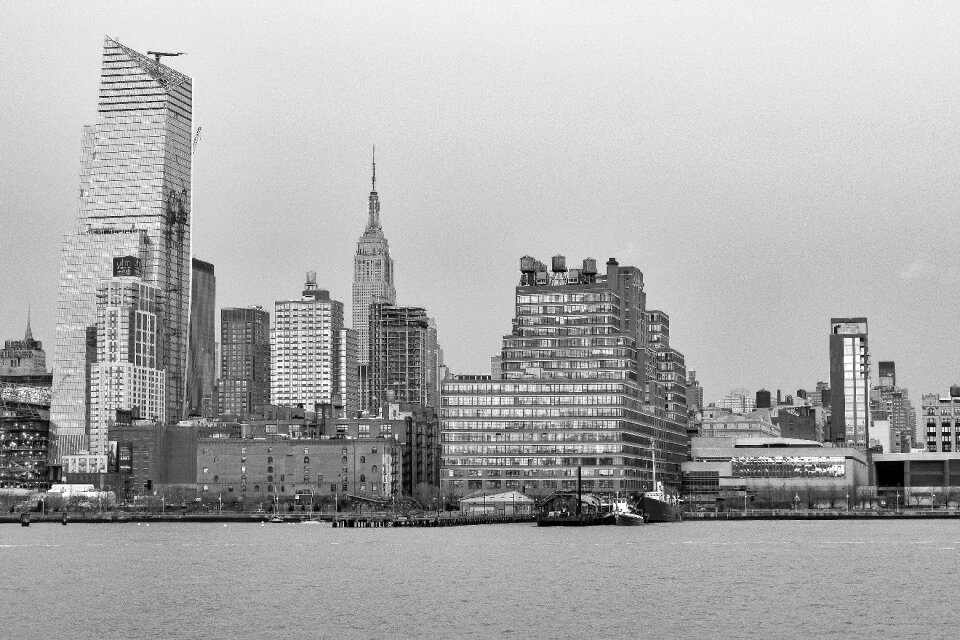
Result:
135,200
24,361
849,382
244,383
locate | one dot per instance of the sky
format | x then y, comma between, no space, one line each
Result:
767,165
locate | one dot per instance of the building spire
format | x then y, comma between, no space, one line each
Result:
28,336
373,221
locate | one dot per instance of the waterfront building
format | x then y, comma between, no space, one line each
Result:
372,277
308,349
24,362
849,382
135,200
923,477
248,470
416,429
244,384
202,354
403,364
575,392
783,472
941,419
24,444
739,401
127,374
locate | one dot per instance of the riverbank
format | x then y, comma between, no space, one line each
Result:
350,520
825,514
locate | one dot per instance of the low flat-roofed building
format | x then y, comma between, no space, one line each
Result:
508,503
923,471
778,469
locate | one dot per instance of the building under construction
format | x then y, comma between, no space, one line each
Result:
404,357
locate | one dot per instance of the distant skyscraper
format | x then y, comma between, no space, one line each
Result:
135,200
244,383
308,348
849,382
24,360
739,401
403,356
201,363
127,374
887,372
372,275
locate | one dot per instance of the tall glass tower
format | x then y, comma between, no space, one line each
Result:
135,200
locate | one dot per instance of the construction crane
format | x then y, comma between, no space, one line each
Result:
159,54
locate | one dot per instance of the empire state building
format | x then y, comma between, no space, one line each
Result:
372,272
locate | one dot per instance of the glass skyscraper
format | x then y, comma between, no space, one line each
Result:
202,360
135,200
849,382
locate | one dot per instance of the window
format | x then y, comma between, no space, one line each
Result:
306,459
363,459
269,478
374,468
269,459
363,478
256,488
269,469
216,478
333,488
364,430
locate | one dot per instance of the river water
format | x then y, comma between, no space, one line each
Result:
755,579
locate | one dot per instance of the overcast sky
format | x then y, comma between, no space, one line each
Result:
767,166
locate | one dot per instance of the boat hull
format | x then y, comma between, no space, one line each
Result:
659,511
575,520
629,520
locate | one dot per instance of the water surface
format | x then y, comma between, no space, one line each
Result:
754,579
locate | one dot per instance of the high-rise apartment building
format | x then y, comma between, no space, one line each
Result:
573,393
308,350
135,200
670,365
202,355
127,374
372,277
849,382
244,383
404,356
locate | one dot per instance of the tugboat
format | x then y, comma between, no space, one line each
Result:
625,515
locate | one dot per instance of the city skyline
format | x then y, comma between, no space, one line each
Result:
751,257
